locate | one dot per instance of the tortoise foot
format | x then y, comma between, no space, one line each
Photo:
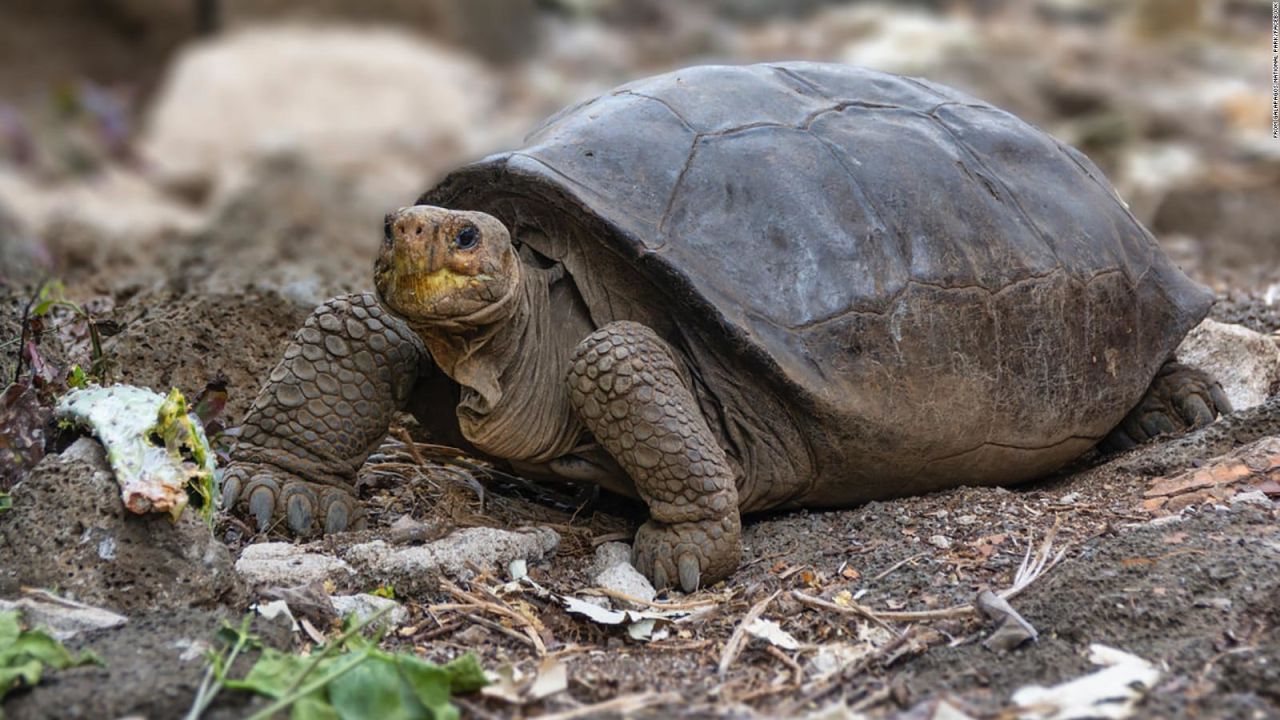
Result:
1181,398
688,555
268,497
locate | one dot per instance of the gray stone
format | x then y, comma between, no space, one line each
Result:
364,605
288,565
1252,497
62,618
410,568
613,570
69,530
1245,362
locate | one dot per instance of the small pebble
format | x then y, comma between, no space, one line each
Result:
940,541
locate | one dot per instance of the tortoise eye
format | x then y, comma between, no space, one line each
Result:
466,238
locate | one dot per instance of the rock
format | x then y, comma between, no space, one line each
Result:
98,222
905,41
62,618
152,668
1252,497
68,530
610,554
1247,363
286,564
411,568
377,104
472,636
407,569
364,605
613,570
940,541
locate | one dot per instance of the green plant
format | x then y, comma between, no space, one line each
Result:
25,654
349,678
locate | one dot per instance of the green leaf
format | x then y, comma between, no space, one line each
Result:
25,653
16,675
272,675
76,377
430,684
313,707
465,674
6,501
10,628
374,691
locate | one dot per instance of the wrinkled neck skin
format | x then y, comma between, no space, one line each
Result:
511,364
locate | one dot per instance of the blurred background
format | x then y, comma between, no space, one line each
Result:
212,148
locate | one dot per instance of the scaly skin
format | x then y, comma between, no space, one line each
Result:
625,386
326,407
1180,398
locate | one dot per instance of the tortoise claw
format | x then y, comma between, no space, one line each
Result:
300,510
690,572
262,503
660,577
231,485
337,518
305,508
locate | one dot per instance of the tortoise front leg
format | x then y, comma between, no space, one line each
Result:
625,385
326,407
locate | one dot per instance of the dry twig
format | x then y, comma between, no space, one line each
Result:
493,608
615,594
734,646
621,705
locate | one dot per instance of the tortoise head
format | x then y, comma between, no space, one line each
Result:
438,264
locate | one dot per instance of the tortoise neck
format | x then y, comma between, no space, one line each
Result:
511,371
476,349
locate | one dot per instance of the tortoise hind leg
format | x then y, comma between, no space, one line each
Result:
1180,398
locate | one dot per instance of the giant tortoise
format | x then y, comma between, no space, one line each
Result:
728,289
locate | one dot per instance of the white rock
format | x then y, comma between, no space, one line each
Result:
288,565
612,569
610,554
907,41
1149,171
379,103
117,206
1245,362
1253,497
940,541
63,619
365,605
490,549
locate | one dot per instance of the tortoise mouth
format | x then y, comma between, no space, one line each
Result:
413,291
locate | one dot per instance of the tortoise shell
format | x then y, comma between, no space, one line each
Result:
932,291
